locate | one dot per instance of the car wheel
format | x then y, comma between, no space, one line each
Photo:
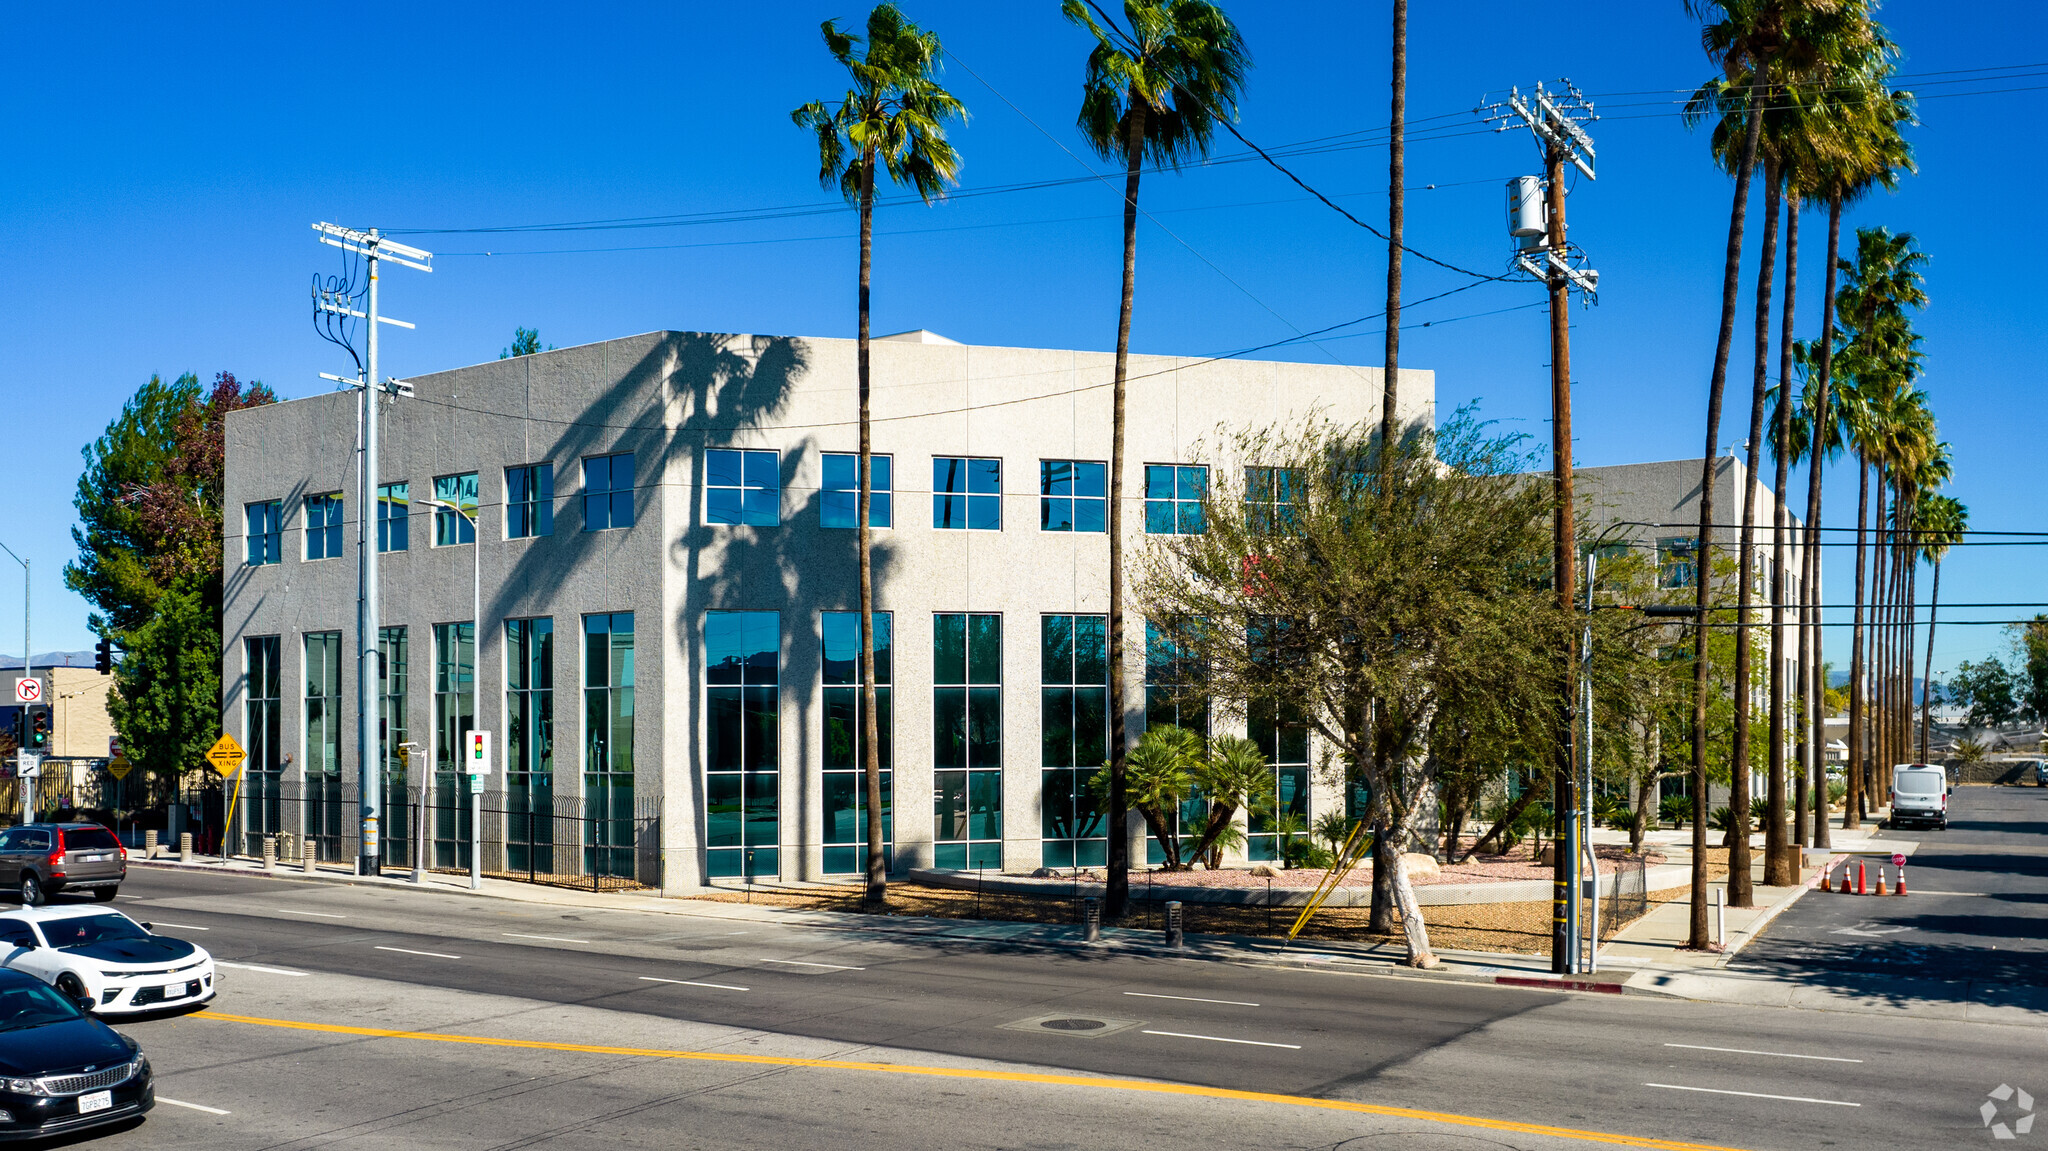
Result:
104,894
71,986
31,890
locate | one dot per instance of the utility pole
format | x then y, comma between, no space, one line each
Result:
1543,253
332,310
27,785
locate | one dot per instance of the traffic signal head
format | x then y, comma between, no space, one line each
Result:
38,729
103,657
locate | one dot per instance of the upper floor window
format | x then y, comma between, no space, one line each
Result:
323,526
607,492
1677,561
1173,499
840,506
1071,496
394,522
967,493
529,501
1270,495
741,488
450,528
266,532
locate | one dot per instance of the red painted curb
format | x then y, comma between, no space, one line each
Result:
1560,984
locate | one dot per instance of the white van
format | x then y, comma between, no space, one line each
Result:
1920,794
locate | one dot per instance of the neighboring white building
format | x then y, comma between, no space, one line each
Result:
669,597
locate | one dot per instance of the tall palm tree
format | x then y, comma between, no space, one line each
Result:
1943,520
893,118
1156,83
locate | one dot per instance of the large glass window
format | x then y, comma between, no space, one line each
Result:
967,493
262,709
450,528
1170,670
323,526
1270,495
742,488
454,717
265,521
846,788
394,517
839,505
393,675
608,743
530,501
1173,499
530,745
742,673
323,741
1677,561
607,492
967,740
1072,496
1073,709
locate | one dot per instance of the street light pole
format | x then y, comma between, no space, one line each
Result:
476,650
28,790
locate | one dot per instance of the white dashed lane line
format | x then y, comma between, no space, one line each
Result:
692,983
543,938
321,914
410,951
806,963
1191,999
254,967
193,1106
1221,1039
1772,1054
1754,1095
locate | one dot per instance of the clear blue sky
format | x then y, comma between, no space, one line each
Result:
164,164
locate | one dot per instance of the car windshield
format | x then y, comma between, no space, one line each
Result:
34,1005
1918,783
86,930
90,839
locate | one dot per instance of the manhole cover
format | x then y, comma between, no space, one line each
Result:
1074,1026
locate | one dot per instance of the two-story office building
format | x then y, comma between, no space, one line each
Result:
666,641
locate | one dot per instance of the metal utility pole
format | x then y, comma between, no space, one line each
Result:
332,310
21,756
1543,253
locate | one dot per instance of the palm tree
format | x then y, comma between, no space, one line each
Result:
1397,213
1943,520
893,117
1155,85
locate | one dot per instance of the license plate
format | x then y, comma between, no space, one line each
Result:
97,1101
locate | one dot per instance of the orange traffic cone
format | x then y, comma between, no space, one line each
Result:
1844,888
1880,880
1860,889
1902,881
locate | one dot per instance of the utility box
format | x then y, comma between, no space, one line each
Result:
1527,219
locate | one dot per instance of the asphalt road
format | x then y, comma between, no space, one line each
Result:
1976,917
928,1040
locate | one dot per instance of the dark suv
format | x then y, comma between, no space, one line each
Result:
40,859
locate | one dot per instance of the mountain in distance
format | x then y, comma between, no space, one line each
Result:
52,659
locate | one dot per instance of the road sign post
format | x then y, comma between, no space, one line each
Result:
27,690
477,762
226,757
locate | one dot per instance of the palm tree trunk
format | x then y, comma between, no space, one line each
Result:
1927,669
1697,936
1852,806
1741,892
878,868
1397,172
1880,662
1119,878
1781,866
1811,650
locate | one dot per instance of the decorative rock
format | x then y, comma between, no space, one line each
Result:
1415,863
1045,873
1265,871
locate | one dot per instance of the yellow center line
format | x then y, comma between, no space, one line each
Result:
1184,1089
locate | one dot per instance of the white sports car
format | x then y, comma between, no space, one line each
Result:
87,951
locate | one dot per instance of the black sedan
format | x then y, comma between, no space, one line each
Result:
61,1070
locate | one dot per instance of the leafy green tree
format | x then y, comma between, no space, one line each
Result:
119,558
1232,776
1160,778
1154,88
166,697
1943,521
1988,689
892,118
1388,587
2032,684
525,342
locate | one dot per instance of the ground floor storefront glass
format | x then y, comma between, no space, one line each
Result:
845,746
742,671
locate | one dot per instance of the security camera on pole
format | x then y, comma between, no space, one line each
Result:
338,301
1536,222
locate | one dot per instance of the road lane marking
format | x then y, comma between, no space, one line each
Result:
1141,1086
1777,1054
410,951
1221,1039
692,983
181,926
321,914
193,1106
805,963
1754,1095
254,967
549,938
1191,999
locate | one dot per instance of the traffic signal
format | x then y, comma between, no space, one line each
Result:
103,657
38,729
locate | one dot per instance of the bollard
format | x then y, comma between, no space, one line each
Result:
1902,880
270,853
1720,917
309,854
1859,877
1091,919
184,847
149,845
1174,935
